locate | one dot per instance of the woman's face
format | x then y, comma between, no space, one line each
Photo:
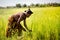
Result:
28,15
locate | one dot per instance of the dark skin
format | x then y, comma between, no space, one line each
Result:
17,18
24,20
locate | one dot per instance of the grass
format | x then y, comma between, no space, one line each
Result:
44,22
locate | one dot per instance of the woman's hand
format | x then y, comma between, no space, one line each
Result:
30,30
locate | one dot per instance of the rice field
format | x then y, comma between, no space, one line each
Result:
44,23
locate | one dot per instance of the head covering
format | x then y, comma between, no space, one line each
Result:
29,11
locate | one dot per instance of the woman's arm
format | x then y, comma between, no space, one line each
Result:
26,26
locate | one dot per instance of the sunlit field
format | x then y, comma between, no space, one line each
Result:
44,23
